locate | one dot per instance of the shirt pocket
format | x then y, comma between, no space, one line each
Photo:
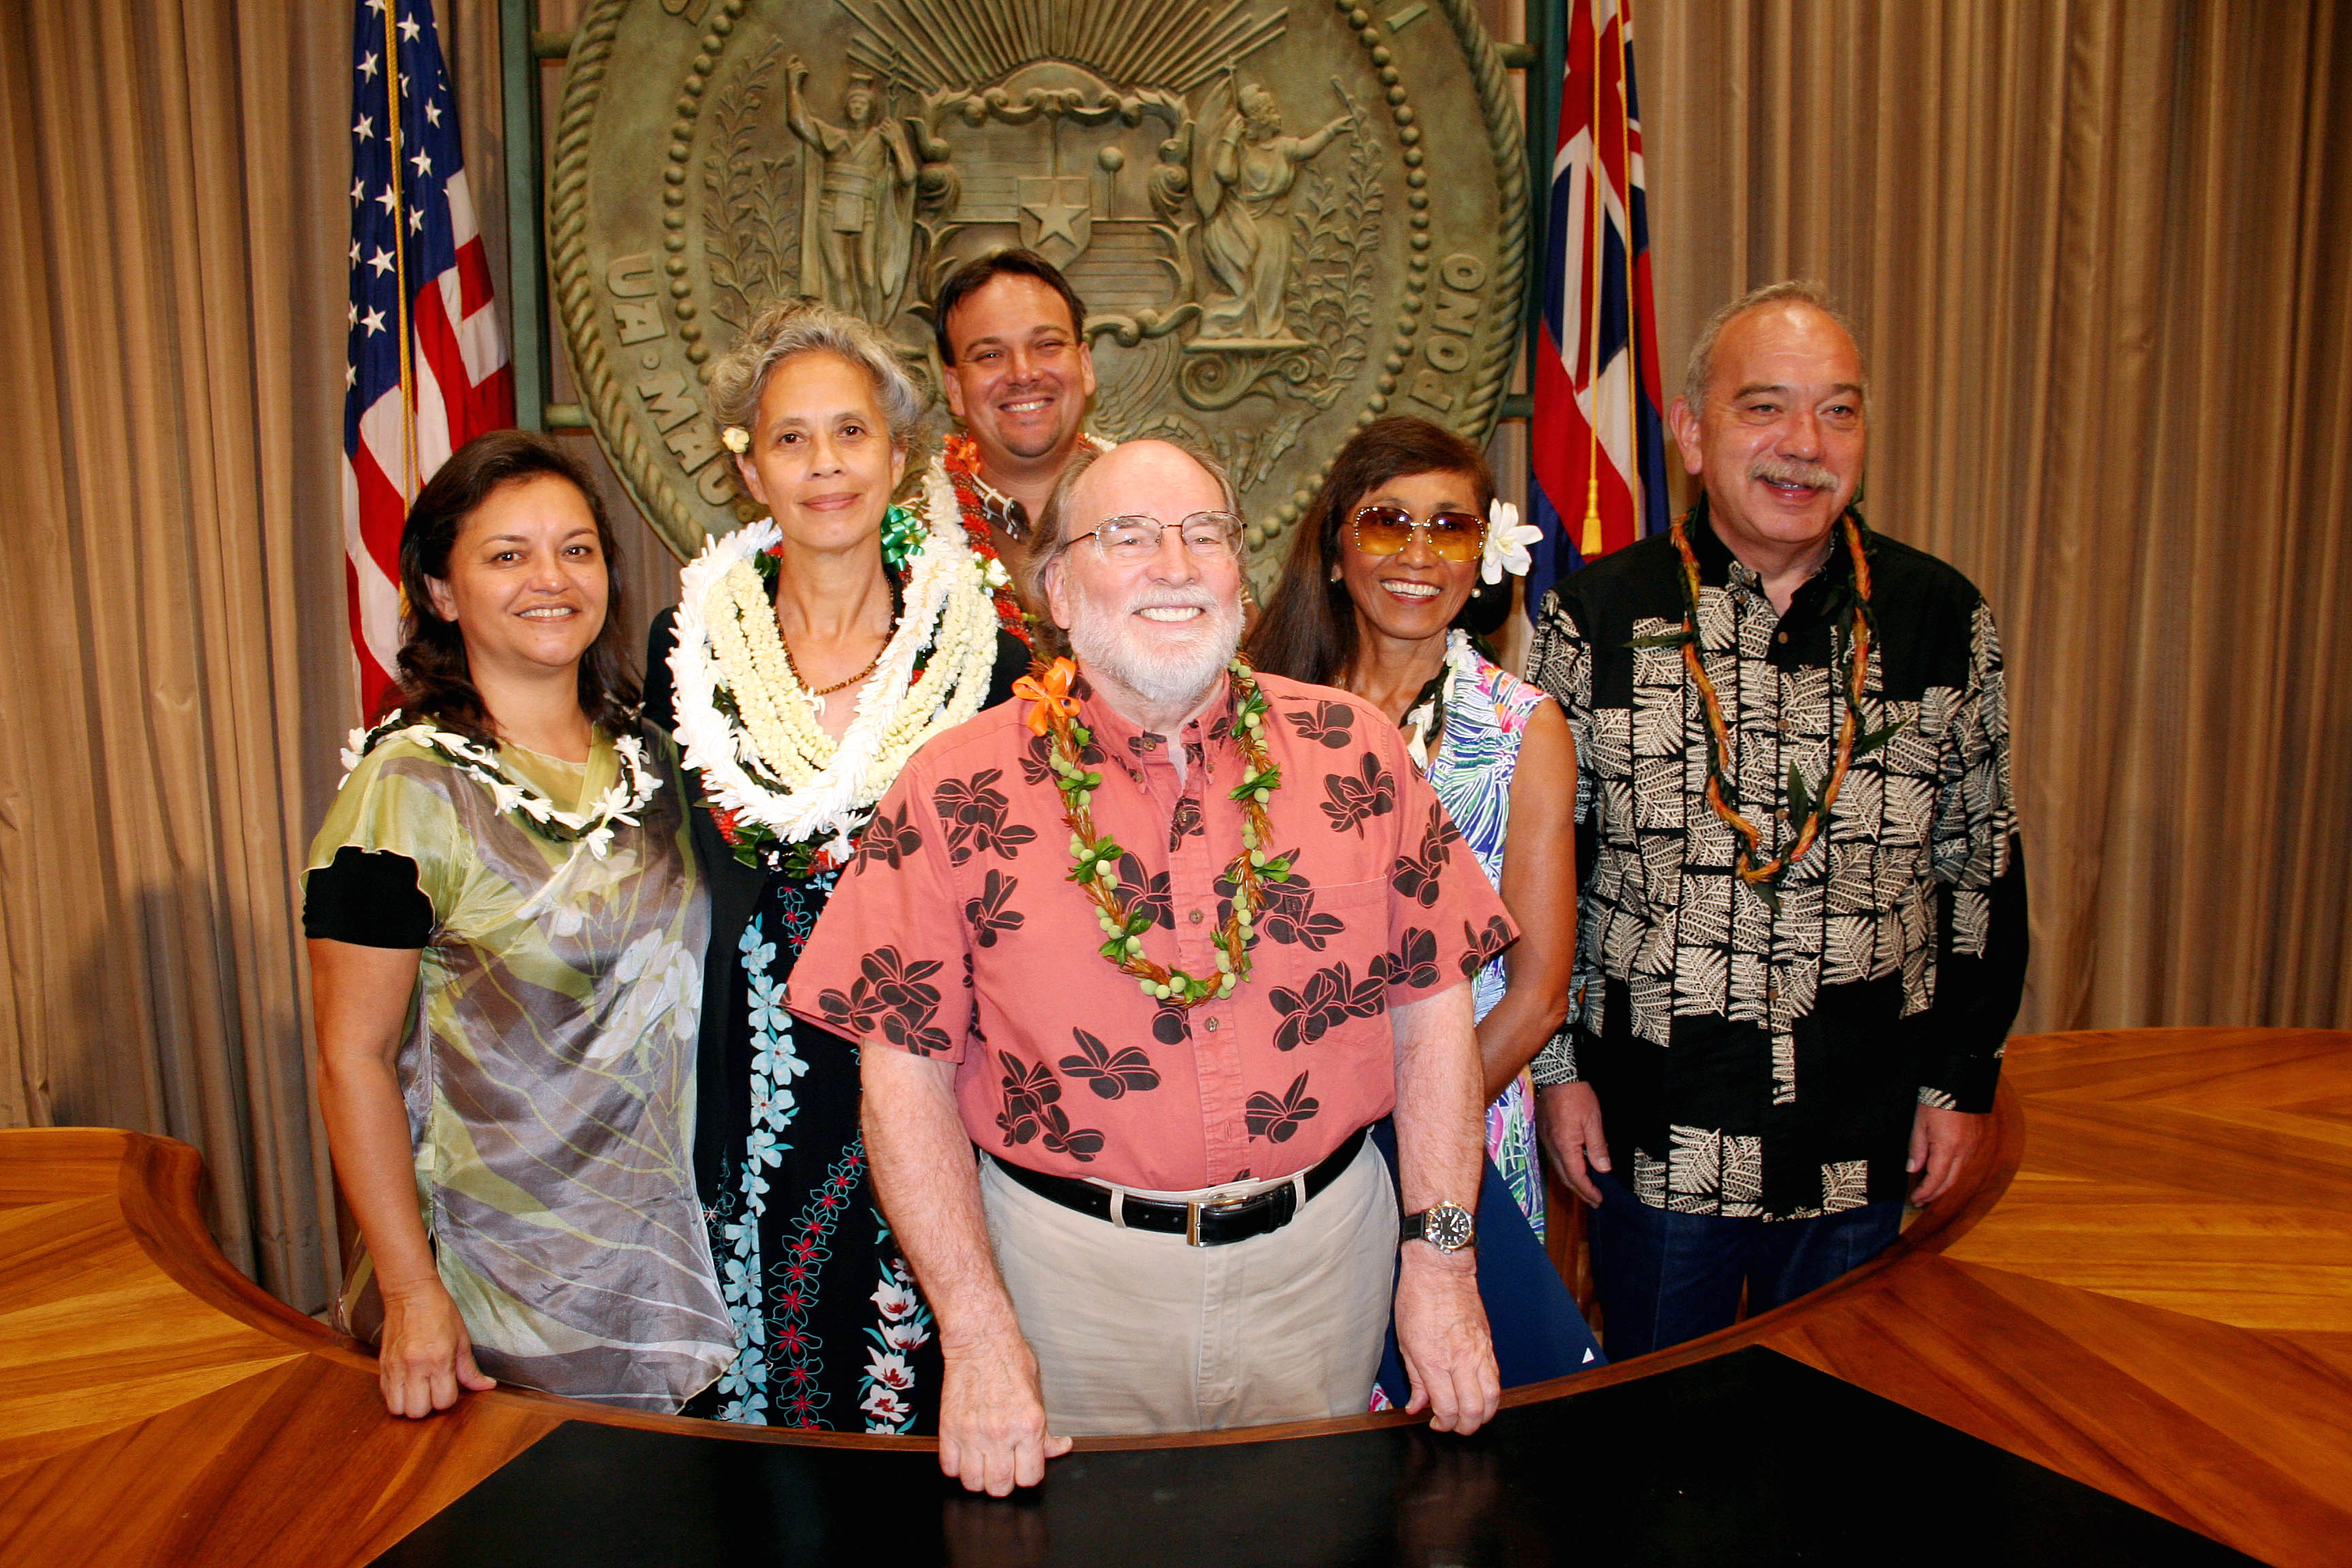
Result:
1322,954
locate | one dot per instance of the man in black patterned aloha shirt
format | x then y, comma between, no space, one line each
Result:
1786,1015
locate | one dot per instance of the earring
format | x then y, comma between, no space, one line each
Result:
1476,589
1335,571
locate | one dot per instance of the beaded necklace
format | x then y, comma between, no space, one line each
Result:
818,694
1810,812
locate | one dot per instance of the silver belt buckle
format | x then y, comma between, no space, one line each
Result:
1193,1216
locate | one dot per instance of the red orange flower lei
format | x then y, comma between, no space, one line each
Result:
960,454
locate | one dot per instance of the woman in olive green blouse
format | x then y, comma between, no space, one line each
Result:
506,945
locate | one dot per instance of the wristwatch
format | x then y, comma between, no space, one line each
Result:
1448,1228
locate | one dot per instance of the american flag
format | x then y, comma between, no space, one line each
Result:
1599,443
426,368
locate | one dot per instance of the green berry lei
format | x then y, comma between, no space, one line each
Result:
1097,855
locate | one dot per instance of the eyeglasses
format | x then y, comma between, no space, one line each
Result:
1212,535
1388,530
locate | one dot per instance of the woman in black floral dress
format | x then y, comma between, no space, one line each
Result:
808,656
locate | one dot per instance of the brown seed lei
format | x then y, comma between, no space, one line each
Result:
1097,855
1812,814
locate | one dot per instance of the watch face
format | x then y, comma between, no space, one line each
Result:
1447,1229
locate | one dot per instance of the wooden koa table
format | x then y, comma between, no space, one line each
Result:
2144,1297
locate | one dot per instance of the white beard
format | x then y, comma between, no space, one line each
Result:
1174,672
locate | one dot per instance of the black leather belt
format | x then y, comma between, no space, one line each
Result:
1204,1223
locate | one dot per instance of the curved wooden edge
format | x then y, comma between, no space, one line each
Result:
1935,1228
160,1188
159,1185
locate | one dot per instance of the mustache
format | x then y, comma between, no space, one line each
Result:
1790,471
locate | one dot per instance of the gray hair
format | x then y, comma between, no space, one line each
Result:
796,327
1702,355
1048,542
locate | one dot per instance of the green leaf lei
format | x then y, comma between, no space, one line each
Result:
1096,855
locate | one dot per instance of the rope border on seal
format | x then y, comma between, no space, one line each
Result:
576,291
1506,140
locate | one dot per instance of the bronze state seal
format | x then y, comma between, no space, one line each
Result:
1285,220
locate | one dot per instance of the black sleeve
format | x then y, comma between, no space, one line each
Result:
1976,996
660,693
1011,663
368,898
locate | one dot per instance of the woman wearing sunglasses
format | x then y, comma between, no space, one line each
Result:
1394,574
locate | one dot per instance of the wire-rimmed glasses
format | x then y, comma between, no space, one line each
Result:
1130,538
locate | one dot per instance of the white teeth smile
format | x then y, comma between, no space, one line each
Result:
1412,590
549,613
1028,405
1169,612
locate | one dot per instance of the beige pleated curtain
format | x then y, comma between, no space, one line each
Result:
2101,252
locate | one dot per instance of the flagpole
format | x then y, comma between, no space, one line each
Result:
408,481
1633,316
1593,541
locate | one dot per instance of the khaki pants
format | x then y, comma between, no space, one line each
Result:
1136,1332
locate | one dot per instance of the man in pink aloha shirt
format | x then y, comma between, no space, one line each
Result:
1175,1222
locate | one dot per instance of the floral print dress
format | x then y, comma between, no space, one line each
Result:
1485,713
831,1332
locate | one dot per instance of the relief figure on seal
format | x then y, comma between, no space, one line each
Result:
1247,241
860,211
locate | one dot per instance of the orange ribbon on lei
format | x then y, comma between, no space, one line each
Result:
1049,696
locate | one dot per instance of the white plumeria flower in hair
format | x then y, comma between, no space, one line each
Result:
1507,542
738,439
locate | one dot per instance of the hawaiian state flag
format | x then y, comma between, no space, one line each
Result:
1598,441
426,368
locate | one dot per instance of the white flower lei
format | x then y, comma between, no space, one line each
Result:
773,766
591,825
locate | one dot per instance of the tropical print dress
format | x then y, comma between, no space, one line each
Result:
831,1332
548,1070
1481,716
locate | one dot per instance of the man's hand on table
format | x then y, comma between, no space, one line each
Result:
1442,1336
993,1434
1942,1144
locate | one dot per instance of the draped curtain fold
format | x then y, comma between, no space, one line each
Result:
2101,254
171,218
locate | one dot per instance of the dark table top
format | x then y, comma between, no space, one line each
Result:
1750,1459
